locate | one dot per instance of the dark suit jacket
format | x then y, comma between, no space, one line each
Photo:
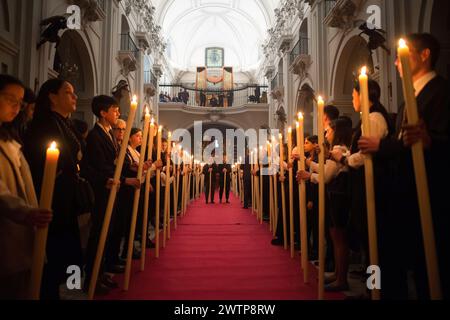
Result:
99,161
222,175
206,172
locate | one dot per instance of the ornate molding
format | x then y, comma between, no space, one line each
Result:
343,14
127,62
91,10
301,65
145,13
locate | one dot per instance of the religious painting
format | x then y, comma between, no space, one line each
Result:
214,57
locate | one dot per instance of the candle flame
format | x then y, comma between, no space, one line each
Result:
280,136
134,101
320,99
152,122
160,128
53,145
364,71
289,130
297,124
147,112
300,116
402,43
170,134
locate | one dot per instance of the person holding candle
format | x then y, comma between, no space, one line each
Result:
55,103
98,167
19,212
312,200
210,170
432,96
339,136
224,170
380,127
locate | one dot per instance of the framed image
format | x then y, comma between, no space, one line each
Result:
214,57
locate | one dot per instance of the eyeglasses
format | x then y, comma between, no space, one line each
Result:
12,100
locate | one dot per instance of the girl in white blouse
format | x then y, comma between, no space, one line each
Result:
339,137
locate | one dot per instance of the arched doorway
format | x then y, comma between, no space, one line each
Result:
305,105
73,63
440,28
354,55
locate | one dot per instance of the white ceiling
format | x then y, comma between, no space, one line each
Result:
239,26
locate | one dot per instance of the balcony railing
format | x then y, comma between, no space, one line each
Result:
127,44
150,78
205,98
301,47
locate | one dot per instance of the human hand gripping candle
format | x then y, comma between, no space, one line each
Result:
283,192
320,133
112,199
166,221
420,174
40,238
137,194
158,190
291,194
147,194
369,179
302,198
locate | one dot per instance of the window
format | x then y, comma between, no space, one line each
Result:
214,57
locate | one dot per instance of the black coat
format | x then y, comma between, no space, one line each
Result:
44,129
222,175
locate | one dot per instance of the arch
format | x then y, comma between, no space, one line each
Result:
305,103
124,26
353,54
75,49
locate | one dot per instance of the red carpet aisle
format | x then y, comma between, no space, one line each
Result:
219,252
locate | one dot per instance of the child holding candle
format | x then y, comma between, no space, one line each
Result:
98,167
338,136
380,127
19,211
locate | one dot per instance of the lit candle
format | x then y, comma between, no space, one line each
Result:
147,193
158,190
137,195
166,222
112,199
283,193
320,107
291,195
302,198
368,170
40,238
420,174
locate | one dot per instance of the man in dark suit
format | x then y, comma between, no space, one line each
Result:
224,170
246,167
210,170
98,167
400,254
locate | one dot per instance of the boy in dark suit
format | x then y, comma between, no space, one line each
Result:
98,167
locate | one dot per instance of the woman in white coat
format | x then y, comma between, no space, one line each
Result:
18,202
